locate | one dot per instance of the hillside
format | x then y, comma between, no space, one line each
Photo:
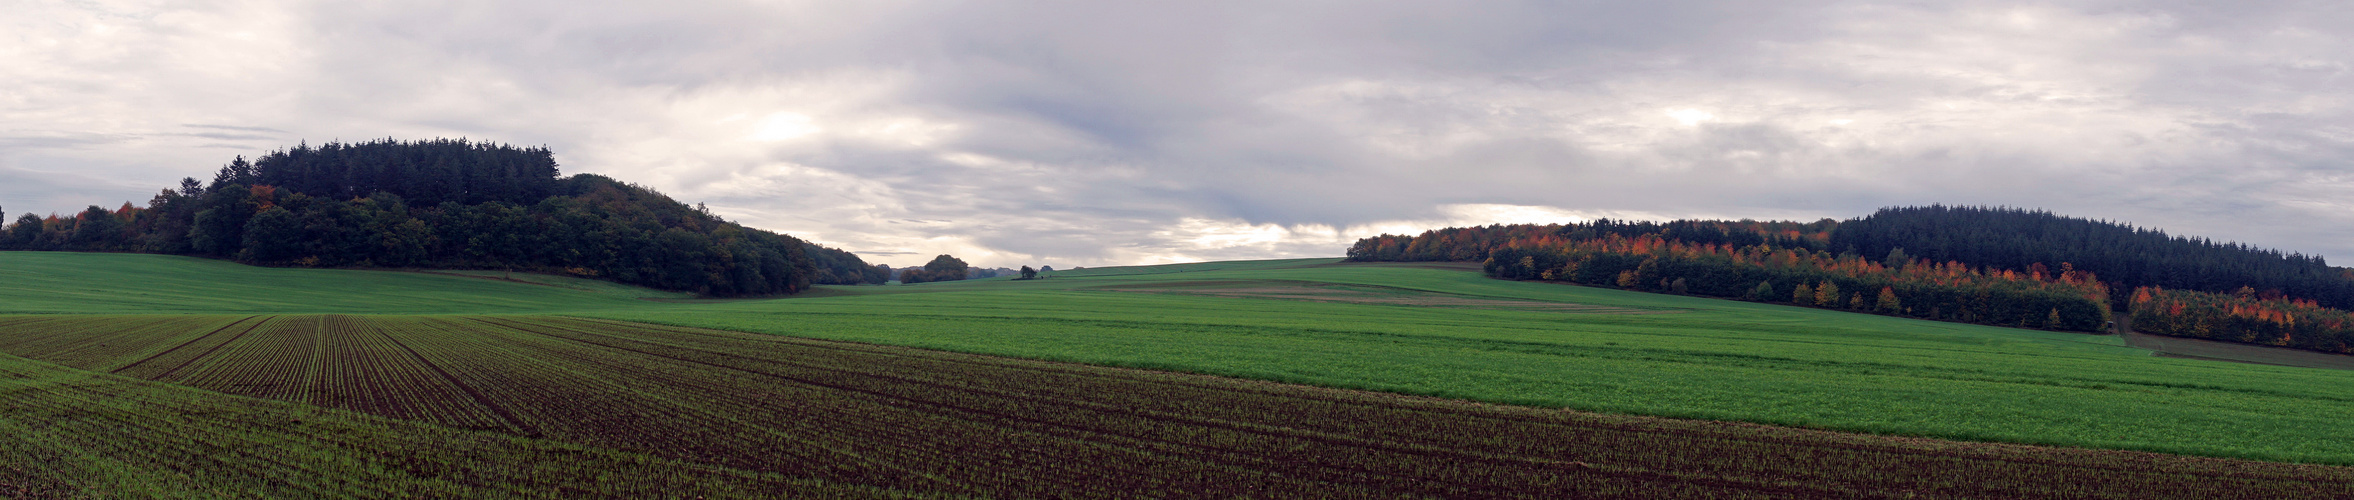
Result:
2125,256
447,204
1994,266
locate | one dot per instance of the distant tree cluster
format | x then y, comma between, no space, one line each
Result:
942,268
2064,300
447,204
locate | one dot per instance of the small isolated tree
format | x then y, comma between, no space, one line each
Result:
1679,287
1028,273
1856,302
1763,292
1804,295
1888,303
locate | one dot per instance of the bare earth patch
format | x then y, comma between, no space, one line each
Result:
1366,294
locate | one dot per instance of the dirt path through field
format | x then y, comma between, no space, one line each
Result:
2178,347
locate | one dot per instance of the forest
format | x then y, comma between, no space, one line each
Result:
446,203
2126,256
1988,265
1600,254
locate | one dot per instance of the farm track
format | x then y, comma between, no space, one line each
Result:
914,420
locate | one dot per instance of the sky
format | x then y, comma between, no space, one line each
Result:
1106,133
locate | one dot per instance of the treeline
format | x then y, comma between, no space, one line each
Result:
2001,266
2245,316
1472,244
447,204
2128,257
425,173
2063,299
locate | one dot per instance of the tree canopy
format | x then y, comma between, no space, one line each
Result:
448,204
942,268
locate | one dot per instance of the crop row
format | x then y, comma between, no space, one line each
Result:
908,419
67,433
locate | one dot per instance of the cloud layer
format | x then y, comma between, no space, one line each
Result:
1092,134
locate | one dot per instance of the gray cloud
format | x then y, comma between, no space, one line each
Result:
1091,134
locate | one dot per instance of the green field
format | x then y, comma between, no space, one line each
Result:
1430,330
1680,356
71,283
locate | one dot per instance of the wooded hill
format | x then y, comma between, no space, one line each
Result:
446,203
2000,266
2126,256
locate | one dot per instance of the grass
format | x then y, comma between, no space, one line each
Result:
1693,357
1682,357
60,282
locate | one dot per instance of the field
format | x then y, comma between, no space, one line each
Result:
1417,380
1679,356
778,415
60,282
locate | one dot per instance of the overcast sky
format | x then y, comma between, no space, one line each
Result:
1085,133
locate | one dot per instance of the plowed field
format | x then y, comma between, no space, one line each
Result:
865,419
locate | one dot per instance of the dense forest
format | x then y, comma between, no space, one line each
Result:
1743,260
447,204
2244,316
2126,256
1973,264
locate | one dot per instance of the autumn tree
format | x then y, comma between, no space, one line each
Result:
1827,294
